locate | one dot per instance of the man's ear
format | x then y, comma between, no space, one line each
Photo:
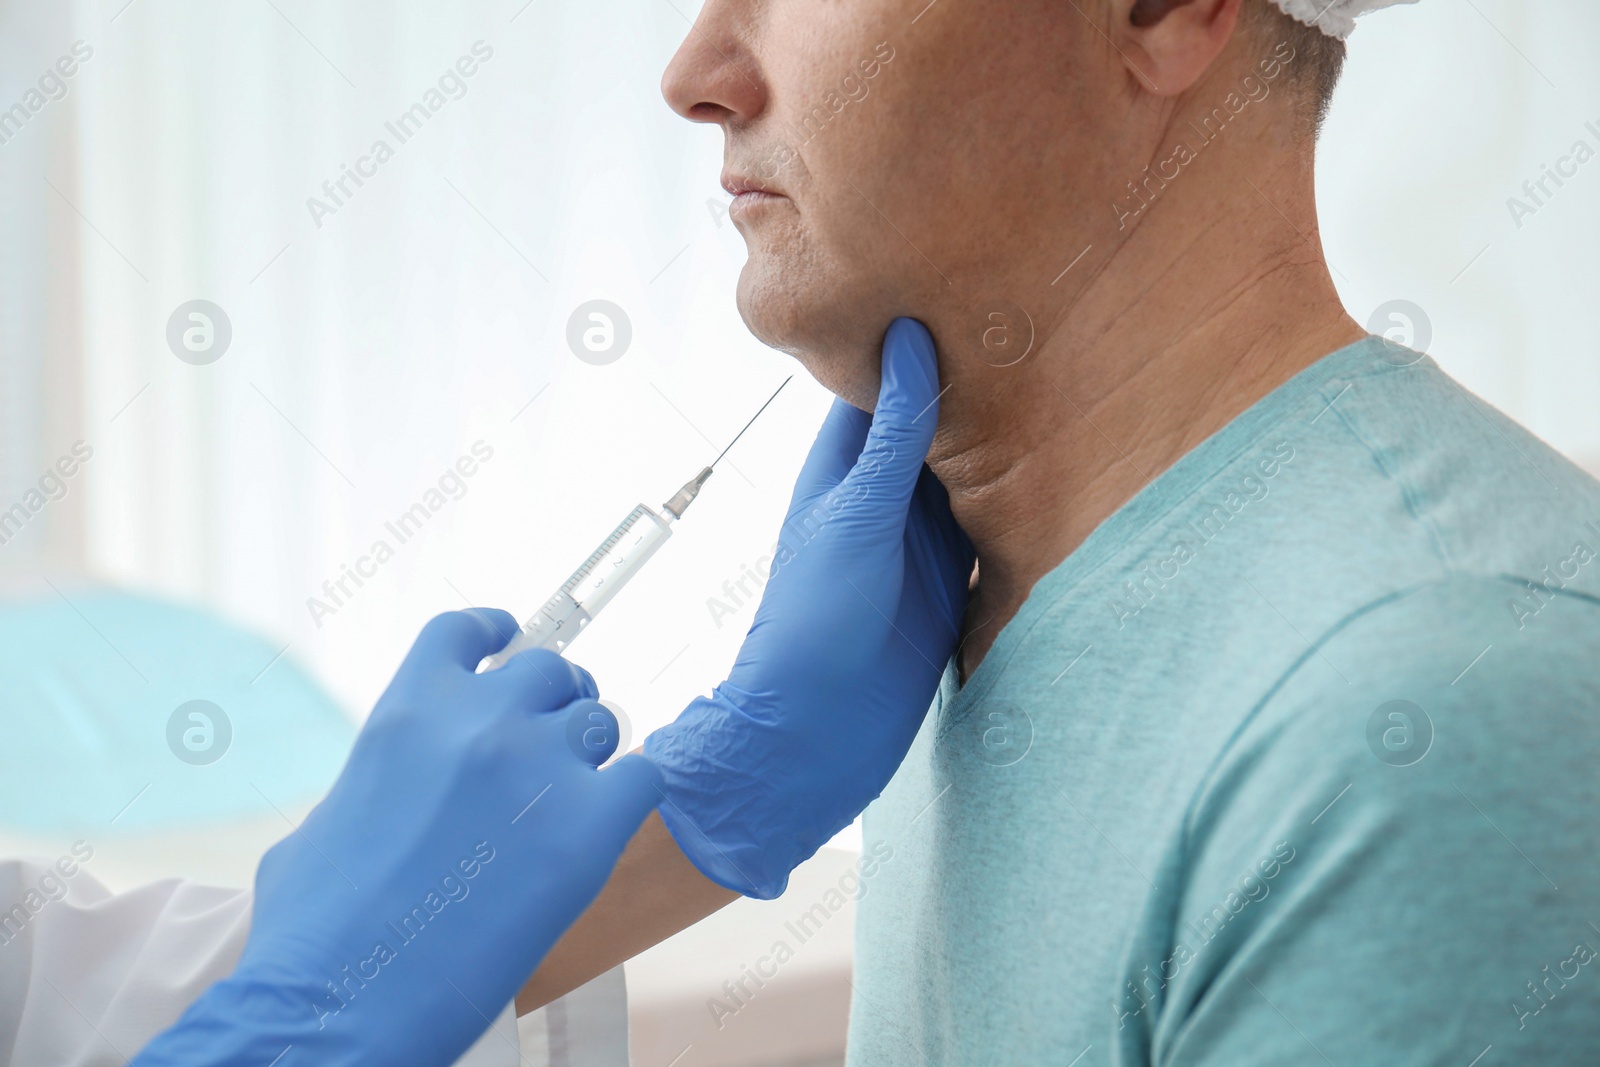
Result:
1169,44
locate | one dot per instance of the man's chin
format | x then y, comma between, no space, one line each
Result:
773,313
790,317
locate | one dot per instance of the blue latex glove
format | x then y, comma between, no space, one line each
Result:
464,835
855,627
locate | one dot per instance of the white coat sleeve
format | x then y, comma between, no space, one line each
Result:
88,976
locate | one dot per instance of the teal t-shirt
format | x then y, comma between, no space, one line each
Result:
1294,760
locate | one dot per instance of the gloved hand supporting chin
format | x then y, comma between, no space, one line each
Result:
855,627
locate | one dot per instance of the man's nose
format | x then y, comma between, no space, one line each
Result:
714,77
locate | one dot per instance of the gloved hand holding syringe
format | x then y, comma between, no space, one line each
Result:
610,567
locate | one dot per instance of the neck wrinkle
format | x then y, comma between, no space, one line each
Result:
1153,354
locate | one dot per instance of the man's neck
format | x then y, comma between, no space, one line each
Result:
1214,301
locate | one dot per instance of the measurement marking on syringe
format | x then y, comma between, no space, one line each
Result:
589,565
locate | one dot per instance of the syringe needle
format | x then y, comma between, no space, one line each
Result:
685,496
753,418
609,568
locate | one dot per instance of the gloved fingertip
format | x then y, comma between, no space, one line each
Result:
906,417
498,620
639,774
464,637
910,365
633,786
586,683
592,731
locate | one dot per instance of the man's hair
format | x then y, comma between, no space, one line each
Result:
1318,57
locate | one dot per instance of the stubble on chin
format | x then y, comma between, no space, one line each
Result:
796,307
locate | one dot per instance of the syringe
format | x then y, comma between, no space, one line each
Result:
610,567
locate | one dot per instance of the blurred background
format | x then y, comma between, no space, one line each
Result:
232,474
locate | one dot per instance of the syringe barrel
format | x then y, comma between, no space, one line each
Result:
610,567
619,557
553,625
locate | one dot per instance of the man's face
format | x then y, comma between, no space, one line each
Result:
926,161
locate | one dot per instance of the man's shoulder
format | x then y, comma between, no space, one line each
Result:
1470,643
1491,494
1419,786
1443,635
1468,678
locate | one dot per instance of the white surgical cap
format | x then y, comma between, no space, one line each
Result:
1333,17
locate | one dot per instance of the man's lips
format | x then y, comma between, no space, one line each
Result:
751,199
748,195
737,185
